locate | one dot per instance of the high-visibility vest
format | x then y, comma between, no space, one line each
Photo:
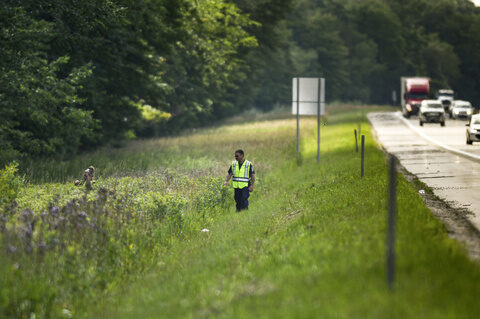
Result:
241,177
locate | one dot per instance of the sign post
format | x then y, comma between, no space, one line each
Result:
308,99
298,117
321,111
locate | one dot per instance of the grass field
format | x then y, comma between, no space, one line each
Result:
311,245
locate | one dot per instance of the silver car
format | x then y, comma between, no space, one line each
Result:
461,109
473,129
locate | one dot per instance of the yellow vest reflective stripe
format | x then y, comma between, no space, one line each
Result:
241,176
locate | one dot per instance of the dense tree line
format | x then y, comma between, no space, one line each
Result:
77,74
364,47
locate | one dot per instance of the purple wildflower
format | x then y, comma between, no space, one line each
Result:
54,211
26,215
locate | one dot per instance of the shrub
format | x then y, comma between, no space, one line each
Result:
10,184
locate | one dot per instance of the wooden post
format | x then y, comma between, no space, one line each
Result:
356,140
363,155
392,209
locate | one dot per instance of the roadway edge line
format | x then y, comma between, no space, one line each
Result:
431,140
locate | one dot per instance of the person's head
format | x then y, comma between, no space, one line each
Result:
239,155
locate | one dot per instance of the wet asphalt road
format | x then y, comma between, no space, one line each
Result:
438,156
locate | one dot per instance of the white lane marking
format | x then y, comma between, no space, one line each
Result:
428,138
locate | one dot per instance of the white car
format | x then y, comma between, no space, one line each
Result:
461,109
473,129
431,111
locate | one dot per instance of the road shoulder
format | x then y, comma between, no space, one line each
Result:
460,221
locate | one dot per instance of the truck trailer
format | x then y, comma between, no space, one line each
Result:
445,96
413,90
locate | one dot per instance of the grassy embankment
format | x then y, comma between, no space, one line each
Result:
311,245
61,247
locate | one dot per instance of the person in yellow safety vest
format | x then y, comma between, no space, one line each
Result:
243,179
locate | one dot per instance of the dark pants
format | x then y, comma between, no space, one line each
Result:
241,198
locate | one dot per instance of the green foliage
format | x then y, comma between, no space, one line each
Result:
41,109
73,73
151,115
10,184
153,120
265,77
203,67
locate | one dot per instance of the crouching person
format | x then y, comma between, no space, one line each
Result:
87,178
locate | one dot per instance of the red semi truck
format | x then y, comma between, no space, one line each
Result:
413,91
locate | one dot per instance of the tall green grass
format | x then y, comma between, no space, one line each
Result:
312,245
61,246
207,148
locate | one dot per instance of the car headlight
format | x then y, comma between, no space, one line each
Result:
469,112
455,111
409,108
